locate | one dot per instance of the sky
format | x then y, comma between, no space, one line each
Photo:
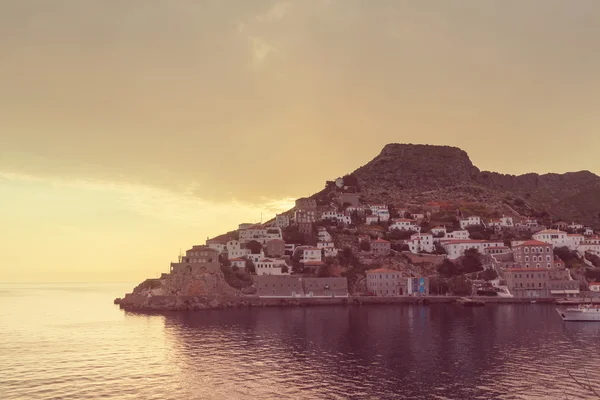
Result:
132,130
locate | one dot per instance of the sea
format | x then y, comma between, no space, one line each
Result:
69,341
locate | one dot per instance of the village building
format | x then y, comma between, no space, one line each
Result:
328,248
282,221
310,254
553,236
575,226
380,247
456,235
469,221
272,286
456,248
246,225
261,234
420,242
496,250
587,231
305,228
289,249
304,216
275,248
561,225
527,282
197,260
417,217
561,284
534,254
306,203
383,282
236,250
438,230
240,263
371,219
405,224
271,267
256,257
323,235
591,244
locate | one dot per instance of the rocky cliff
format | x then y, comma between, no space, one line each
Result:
414,174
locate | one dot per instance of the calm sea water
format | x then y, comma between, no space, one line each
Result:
70,342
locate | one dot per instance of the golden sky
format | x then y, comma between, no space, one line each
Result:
133,129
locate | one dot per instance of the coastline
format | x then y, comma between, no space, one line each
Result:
141,303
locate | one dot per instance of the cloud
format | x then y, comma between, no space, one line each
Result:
279,10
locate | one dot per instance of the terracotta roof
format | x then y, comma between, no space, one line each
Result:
594,284
527,269
496,247
381,270
380,241
236,259
462,241
403,220
533,243
574,234
549,231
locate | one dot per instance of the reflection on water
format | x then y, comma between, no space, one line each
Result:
74,344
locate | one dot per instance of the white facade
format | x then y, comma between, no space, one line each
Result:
559,238
218,246
340,217
235,249
256,257
456,248
323,235
238,262
311,254
588,231
594,287
417,217
384,215
375,208
575,226
456,235
405,224
270,267
372,219
469,221
438,230
339,182
261,234
420,242
329,248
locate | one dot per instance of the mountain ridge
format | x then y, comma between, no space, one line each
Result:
415,173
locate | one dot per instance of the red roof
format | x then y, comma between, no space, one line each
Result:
236,259
381,270
533,243
527,269
403,220
594,284
380,241
313,263
496,247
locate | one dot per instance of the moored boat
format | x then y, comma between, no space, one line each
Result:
585,312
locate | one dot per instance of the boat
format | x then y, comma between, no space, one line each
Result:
467,302
584,312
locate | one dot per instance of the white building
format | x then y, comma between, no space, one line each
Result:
236,250
456,235
376,208
405,224
417,217
217,244
323,235
456,248
384,215
260,233
438,230
238,262
420,242
371,219
575,226
469,221
559,238
339,182
311,254
271,267
328,248
588,231
282,221
256,257
594,286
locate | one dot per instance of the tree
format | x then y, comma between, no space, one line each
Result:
250,268
324,271
471,262
285,269
460,286
350,180
235,268
365,246
448,268
488,274
439,249
254,247
398,234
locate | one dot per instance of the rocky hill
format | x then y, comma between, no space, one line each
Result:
405,174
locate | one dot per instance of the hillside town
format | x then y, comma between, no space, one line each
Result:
335,244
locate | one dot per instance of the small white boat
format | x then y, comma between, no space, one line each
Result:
584,312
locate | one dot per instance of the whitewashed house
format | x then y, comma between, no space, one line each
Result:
438,230
240,263
311,254
473,220
328,248
587,231
420,242
456,248
559,238
457,235
575,226
271,267
323,235
417,217
371,219
282,221
405,224
236,250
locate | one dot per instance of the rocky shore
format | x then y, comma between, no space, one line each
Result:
141,303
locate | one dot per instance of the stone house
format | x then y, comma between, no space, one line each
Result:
383,282
275,248
305,227
349,198
380,247
306,203
527,282
534,254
